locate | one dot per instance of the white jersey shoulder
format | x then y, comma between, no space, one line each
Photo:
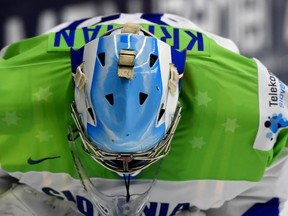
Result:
141,18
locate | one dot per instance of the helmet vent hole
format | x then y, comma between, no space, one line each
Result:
161,113
90,111
153,59
101,57
110,98
142,98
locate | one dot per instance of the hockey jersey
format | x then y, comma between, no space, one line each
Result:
233,125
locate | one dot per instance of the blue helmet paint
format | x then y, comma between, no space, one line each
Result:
126,125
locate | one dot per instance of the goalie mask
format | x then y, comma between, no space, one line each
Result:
126,97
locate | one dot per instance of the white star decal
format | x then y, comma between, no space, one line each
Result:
11,118
202,98
44,136
230,125
197,142
43,94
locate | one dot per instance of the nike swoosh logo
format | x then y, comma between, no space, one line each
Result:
33,162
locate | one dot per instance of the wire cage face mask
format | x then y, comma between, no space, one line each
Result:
127,162
134,202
